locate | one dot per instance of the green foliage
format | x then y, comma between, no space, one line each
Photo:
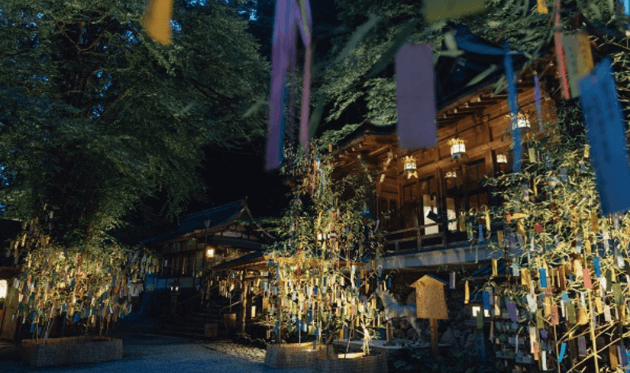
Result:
97,117
353,91
562,231
88,286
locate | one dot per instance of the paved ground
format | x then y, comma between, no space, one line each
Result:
146,353
253,354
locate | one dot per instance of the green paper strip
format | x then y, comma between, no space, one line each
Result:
540,323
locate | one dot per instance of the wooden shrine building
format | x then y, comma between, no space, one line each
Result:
205,239
425,198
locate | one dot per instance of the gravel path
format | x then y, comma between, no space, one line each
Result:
161,354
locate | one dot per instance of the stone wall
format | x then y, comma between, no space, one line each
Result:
70,350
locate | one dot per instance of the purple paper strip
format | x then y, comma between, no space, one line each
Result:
283,46
511,308
606,135
415,89
538,104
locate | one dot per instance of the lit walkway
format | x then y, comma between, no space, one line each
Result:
145,353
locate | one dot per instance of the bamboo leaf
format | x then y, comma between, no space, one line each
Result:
356,37
391,52
482,76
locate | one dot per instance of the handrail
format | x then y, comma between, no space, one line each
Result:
230,306
188,299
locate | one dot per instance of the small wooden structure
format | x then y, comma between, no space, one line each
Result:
431,304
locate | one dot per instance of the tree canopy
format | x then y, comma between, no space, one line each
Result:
96,116
361,87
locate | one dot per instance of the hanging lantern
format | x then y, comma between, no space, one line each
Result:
450,174
410,166
501,158
458,147
521,121
209,252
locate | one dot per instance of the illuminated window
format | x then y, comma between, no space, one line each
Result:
3,289
477,309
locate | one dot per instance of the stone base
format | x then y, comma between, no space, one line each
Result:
71,350
350,363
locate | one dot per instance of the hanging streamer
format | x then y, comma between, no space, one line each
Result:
513,102
606,135
157,20
538,103
283,52
417,127
560,53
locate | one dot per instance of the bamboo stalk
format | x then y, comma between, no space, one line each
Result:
591,331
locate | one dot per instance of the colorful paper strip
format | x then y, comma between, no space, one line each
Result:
606,135
417,127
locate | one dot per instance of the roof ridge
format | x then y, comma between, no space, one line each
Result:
211,210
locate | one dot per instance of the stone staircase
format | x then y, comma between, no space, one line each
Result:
192,323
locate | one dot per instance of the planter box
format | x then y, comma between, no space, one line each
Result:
350,363
71,350
292,355
212,330
230,320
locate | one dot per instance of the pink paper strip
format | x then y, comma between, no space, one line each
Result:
560,54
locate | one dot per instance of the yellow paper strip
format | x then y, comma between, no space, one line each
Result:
434,10
157,20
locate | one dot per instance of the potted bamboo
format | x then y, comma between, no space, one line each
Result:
317,284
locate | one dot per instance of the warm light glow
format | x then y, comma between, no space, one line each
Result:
410,166
210,252
501,158
253,312
477,309
520,122
450,174
458,147
410,163
3,289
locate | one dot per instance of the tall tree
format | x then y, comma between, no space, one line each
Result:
96,116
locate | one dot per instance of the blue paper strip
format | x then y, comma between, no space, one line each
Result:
543,277
598,269
606,135
626,7
486,300
563,350
513,103
538,103
417,127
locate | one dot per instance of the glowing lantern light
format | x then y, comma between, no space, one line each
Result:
501,158
410,166
521,122
458,147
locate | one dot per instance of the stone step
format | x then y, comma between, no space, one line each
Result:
185,334
183,329
202,320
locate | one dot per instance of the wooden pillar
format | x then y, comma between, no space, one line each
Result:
244,303
435,347
442,205
490,161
